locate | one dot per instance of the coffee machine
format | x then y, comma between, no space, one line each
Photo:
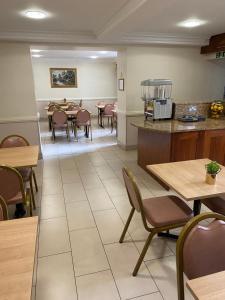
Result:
156,94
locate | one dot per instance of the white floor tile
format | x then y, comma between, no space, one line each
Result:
97,286
74,192
88,253
54,237
109,225
91,181
122,259
114,187
79,215
55,278
99,199
53,206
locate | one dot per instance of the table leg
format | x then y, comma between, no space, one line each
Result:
197,207
100,116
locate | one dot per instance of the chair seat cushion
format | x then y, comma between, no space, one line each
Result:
216,204
166,210
16,199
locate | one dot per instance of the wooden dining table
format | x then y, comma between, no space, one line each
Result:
18,157
17,255
187,178
210,287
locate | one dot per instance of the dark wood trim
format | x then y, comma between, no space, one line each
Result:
216,44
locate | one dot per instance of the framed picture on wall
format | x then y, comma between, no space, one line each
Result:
63,77
121,84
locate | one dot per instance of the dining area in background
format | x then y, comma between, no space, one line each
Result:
69,115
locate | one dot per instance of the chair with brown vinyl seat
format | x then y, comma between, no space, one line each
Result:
3,210
12,188
60,121
83,118
200,249
107,113
15,140
216,204
162,213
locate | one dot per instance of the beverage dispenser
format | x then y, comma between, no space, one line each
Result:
156,94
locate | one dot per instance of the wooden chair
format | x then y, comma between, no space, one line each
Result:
200,249
83,118
3,210
12,188
16,140
60,121
163,213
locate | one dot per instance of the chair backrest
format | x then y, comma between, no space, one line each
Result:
14,140
200,249
53,107
73,106
108,109
133,192
11,183
83,117
59,117
3,210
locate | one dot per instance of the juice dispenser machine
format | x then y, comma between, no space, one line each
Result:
156,93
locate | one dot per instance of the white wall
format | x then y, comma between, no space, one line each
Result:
194,78
96,82
18,113
16,82
95,79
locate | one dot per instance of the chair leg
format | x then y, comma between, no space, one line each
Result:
68,133
143,252
127,225
91,132
35,181
32,193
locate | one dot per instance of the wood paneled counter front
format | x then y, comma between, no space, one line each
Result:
172,140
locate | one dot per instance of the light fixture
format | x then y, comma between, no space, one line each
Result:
35,50
191,23
35,14
103,52
93,57
37,55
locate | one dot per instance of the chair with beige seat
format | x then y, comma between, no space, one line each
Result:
3,210
200,249
15,140
83,118
12,188
162,213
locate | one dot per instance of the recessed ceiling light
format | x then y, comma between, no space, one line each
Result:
93,57
36,55
191,23
103,52
35,14
35,50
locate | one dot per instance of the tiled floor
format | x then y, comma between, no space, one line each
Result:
83,205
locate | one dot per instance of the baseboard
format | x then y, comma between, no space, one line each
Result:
127,147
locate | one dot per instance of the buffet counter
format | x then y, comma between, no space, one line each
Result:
172,140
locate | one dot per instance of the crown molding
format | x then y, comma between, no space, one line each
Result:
61,37
162,38
143,38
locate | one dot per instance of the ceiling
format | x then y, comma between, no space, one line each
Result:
112,21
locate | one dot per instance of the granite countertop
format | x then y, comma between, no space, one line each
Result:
172,126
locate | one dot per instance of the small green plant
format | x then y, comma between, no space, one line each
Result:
213,168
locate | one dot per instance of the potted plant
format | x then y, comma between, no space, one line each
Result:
212,169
